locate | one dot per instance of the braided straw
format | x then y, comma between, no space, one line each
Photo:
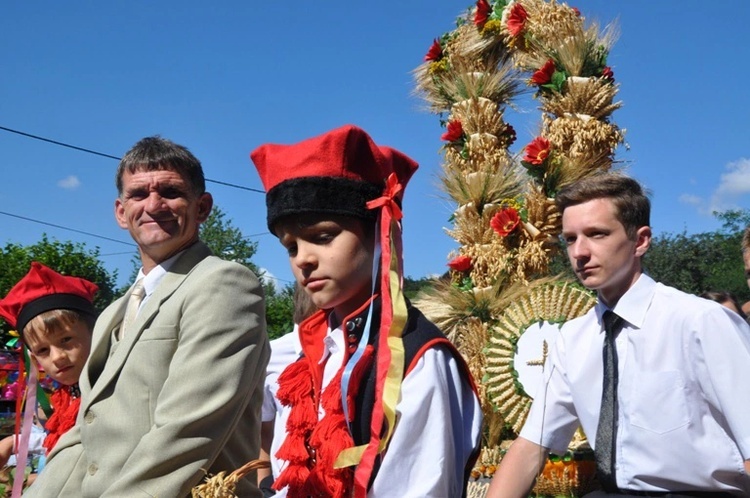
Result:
223,486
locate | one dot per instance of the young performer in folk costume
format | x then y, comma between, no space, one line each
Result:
54,314
379,403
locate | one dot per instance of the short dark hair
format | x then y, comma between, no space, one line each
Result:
53,321
157,154
632,205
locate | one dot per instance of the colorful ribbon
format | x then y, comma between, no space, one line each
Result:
390,357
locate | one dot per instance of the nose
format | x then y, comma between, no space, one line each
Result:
155,202
579,249
57,355
305,256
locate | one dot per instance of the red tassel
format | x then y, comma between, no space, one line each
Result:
295,383
64,417
295,477
293,450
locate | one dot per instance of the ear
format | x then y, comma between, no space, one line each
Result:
205,204
642,240
120,214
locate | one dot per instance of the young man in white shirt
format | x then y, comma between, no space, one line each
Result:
680,424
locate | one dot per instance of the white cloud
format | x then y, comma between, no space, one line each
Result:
267,277
70,183
733,184
699,203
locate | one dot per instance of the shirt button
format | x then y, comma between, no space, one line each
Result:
89,417
92,469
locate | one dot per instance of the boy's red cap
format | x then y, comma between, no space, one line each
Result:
337,172
43,289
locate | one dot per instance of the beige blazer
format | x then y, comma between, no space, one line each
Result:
178,396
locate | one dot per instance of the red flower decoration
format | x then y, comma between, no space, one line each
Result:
483,12
608,74
544,74
505,221
435,53
460,263
537,151
454,131
517,19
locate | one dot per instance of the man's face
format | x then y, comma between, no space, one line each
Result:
161,212
331,258
602,255
61,352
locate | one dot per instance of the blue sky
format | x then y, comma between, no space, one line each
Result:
224,77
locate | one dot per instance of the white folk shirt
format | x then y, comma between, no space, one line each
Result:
439,419
683,392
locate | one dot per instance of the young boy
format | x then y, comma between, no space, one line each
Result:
379,404
54,315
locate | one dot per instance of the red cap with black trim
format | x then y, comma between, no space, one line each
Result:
43,289
337,172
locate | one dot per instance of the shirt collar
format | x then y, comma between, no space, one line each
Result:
634,304
155,276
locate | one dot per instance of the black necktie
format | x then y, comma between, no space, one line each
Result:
606,433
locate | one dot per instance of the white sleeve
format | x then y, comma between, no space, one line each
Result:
439,425
552,420
284,351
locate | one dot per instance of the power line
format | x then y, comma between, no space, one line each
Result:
109,156
67,228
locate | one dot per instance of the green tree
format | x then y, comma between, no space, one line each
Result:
68,258
279,310
709,261
227,241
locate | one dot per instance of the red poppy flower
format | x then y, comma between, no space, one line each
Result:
544,74
505,221
483,12
517,19
460,263
454,131
435,53
537,151
608,74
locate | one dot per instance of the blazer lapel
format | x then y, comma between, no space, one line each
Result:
111,362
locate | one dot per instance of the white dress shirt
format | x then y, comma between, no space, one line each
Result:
683,392
439,419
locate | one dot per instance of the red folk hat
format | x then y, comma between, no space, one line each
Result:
337,172
43,289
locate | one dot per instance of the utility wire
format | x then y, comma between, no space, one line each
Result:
67,228
109,156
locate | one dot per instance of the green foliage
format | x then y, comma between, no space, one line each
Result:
279,310
227,241
412,286
710,261
67,258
